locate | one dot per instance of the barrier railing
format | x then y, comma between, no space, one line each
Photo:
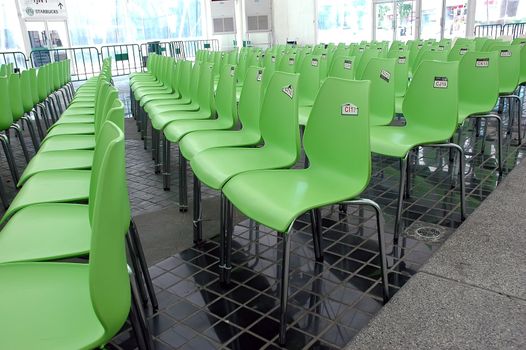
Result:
495,30
125,58
84,64
18,59
190,47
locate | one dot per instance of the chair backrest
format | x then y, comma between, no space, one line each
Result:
309,81
33,85
342,67
225,96
15,96
429,54
431,101
205,97
287,63
368,54
242,66
381,73
279,116
522,74
106,103
42,83
56,75
337,133
185,74
194,80
509,66
6,115
478,83
3,70
109,283
25,87
460,49
401,71
249,108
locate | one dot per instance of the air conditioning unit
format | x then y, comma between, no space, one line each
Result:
223,16
259,15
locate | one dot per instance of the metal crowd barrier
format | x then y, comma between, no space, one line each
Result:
18,59
84,64
125,58
514,30
190,47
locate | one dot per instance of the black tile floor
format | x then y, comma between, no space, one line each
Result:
329,302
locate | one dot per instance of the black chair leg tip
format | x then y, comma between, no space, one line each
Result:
166,189
183,210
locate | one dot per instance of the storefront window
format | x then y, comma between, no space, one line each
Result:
344,20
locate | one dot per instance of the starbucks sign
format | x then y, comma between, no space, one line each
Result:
43,9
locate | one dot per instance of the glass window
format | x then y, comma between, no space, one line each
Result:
344,20
456,16
500,11
100,22
10,32
430,19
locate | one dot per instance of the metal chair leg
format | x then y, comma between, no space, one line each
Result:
135,268
198,212
225,241
284,286
183,190
142,323
10,158
166,163
3,197
32,132
38,124
21,139
315,219
401,190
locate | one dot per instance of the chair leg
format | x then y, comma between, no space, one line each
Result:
32,132
198,212
134,235
157,152
43,113
143,330
135,267
462,183
3,196
225,244
401,190
315,219
145,128
183,190
38,124
10,158
284,287
155,143
21,139
166,163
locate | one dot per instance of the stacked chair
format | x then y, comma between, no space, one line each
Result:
73,203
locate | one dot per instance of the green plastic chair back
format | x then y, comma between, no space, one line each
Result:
309,81
478,83
225,97
254,59
431,103
519,41
107,101
6,115
269,62
56,76
401,71
381,73
185,74
279,116
522,74
330,131
342,67
205,96
50,81
42,83
509,65
326,58
34,85
287,64
431,55
364,61
25,88
490,44
460,49
108,270
249,108
15,96
3,70
194,80
242,66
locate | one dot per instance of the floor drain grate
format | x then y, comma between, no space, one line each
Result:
427,232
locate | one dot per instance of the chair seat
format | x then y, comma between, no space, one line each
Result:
303,114
164,106
399,101
68,142
196,142
466,110
73,112
71,129
396,141
58,186
48,231
214,167
159,97
159,121
145,91
57,160
73,119
82,102
47,306
275,198
179,128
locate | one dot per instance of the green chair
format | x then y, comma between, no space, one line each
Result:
280,146
342,67
522,74
80,156
308,86
17,111
478,92
287,63
225,102
367,55
460,49
509,70
276,198
381,73
37,111
401,76
75,306
431,112
6,120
